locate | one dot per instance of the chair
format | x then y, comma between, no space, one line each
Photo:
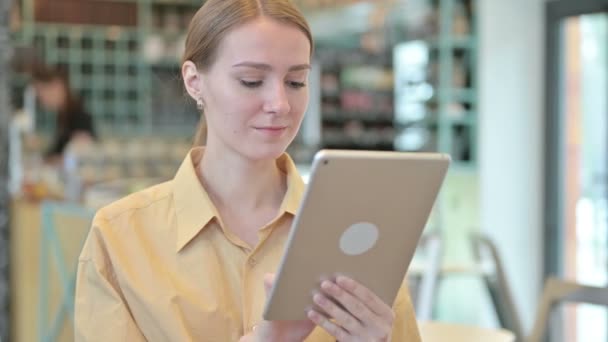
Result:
426,279
64,229
485,251
443,332
560,291
487,266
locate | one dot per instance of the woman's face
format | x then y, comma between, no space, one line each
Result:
51,94
255,94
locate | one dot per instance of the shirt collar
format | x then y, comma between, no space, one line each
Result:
194,209
295,185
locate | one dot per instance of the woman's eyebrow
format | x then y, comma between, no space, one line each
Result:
267,67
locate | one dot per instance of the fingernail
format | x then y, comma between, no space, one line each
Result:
342,280
319,299
326,285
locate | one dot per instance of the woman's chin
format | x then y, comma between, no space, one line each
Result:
265,151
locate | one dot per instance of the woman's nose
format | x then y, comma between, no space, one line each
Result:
277,101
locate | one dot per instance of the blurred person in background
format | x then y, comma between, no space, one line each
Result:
73,124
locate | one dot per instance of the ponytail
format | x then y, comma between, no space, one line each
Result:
200,137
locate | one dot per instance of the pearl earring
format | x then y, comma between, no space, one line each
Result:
199,104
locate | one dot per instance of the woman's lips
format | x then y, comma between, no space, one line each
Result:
271,130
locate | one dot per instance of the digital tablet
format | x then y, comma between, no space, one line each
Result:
362,215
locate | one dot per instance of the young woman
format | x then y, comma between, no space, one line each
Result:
191,259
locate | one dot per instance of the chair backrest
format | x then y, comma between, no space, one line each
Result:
505,305
442,332
558,291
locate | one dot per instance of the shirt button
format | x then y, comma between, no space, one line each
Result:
252,262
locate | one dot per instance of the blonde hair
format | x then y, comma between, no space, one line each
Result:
216,18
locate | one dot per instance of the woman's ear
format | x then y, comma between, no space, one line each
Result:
191,78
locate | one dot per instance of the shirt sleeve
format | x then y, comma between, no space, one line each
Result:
405,327
101,313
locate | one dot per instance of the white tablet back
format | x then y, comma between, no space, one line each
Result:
362,216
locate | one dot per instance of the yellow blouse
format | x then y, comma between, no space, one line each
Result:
158,265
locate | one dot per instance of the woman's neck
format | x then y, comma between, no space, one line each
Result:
233,181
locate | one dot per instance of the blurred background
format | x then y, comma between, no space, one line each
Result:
92,108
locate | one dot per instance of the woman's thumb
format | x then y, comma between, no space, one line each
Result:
268,282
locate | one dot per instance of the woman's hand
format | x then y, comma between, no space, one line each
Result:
280,331
362,317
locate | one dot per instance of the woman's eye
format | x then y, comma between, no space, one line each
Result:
251,84
296,85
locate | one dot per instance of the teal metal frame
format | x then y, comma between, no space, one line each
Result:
107,67
446,44
50,250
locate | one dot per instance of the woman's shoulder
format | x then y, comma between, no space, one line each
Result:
129,223
138,202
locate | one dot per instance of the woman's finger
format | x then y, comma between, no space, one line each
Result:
373,302
326,324
372,324
341,317
268,282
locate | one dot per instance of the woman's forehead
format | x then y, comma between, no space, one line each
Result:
263,39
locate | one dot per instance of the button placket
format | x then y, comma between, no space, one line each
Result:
249,276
